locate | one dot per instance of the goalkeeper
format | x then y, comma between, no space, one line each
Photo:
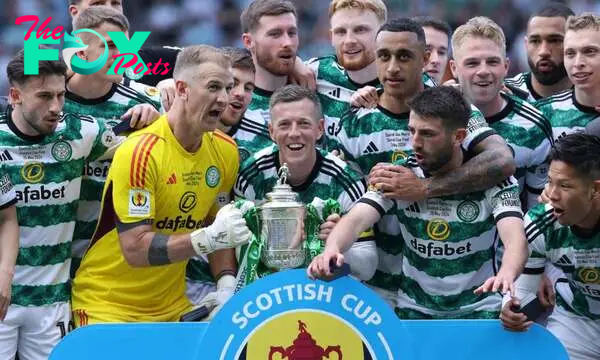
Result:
166,183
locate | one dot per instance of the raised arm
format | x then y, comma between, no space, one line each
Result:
537,222
512,235
362,217
492,163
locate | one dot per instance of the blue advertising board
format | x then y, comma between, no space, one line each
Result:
288,316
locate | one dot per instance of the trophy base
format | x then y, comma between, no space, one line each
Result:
283,259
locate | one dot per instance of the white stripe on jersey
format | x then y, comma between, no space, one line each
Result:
447,285
42,275
60,233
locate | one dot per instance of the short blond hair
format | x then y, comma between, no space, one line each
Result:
376,6
480,27
191,57
583,21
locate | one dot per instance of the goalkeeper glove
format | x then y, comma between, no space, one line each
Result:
229,230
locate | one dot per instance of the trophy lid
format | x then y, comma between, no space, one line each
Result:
282,192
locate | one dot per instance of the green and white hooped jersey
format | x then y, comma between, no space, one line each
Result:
565,114
335,88
8,195
251,134
449,249
522,82
331,178
108,110
371,136
529,135
46,172
575,253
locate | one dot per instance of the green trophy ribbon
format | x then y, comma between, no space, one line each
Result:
251,268
250,253
312,224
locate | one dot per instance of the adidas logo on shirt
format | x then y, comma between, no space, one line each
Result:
414,207
371,148
5,156
565,262
172,179
335,92
563,134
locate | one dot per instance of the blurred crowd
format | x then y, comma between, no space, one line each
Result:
216,22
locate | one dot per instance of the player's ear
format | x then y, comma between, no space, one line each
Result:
596,190
460,135
506,66
247,41
321,128
453,68
271,131
181,89
73,10
14,96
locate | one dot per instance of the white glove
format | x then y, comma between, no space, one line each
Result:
227,231
246,206
216,299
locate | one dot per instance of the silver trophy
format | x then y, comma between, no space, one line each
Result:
282,219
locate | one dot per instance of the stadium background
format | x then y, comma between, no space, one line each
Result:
216,22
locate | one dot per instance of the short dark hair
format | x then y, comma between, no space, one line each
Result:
580,151
15,70
74,2
251,15
404,25
445,103
554,9
292,93
94,16
430,21
240,58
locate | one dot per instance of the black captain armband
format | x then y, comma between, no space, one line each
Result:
158,252
122,227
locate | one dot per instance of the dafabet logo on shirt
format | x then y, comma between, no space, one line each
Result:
127,61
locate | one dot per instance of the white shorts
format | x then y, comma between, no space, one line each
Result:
196,291
579,335
33,331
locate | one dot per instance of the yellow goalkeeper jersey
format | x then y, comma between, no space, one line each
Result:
152,179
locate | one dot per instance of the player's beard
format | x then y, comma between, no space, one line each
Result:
551,77
272,64
38,124
440,160
360,63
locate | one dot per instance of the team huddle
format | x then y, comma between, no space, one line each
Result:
460,194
